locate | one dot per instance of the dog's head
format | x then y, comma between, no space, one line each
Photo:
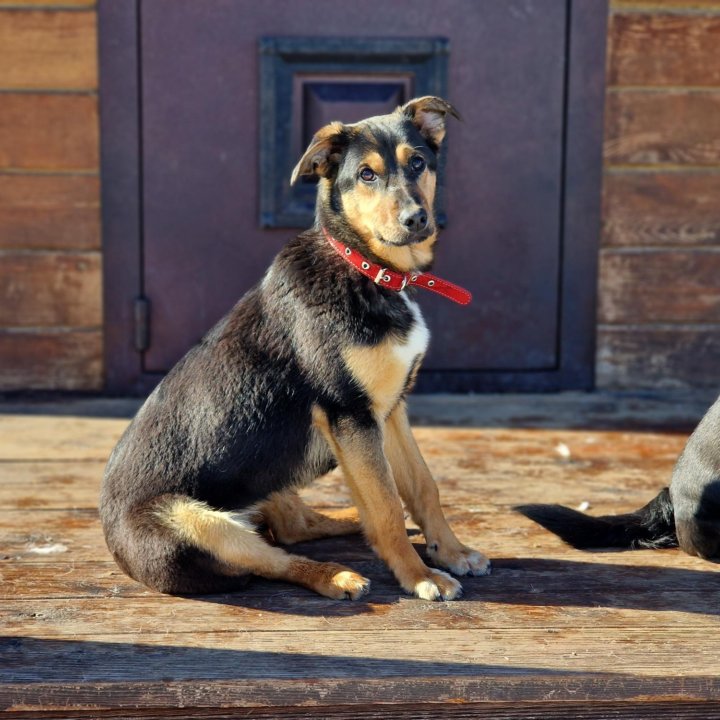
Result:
377,181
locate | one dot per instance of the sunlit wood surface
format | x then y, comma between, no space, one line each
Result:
554,632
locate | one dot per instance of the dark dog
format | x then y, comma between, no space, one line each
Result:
309,370
685,514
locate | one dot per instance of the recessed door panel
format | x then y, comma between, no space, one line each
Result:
204,243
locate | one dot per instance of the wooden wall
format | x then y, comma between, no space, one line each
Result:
659,288
659,292
50,259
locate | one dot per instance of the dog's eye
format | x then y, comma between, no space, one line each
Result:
367,175
417,163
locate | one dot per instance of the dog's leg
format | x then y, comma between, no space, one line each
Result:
231,539
419,491
291,520
359,451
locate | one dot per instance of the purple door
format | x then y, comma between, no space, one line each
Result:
223,110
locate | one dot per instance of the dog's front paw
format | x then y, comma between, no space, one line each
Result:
438,585
460,560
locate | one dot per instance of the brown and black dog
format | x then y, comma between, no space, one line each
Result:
309,370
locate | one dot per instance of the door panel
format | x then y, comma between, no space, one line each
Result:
203,246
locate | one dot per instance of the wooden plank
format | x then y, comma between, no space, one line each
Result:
664,50
27,437
31,536
664,357
54,4
496,602
515,580
47,485
48,50
448,450
466,652
45,360
504,710
671,209
46,289
658,286
50,212
582,695
679,127
49,132
279,655
653,6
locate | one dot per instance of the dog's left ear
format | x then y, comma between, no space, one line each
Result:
323,153
428,115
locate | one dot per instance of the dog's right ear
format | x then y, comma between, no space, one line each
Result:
323,153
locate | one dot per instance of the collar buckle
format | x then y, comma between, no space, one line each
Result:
380,277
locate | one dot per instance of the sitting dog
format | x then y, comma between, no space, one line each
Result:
309,370
685,514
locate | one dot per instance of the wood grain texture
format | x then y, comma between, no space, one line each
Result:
680,127
659,286
652,6
49,132
47,289
50,289
50,212
661,209
551,626
54,4
48,50
664,50
672,356
42,360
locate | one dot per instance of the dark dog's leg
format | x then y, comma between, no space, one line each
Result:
359,451
419,491
231,539
291,520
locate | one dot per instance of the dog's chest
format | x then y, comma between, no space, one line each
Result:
383,370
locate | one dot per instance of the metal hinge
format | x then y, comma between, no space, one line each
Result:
142,323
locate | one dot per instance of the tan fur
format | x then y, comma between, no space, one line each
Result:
316,158
374,214
404,152
232,540
375,162
405,258
291,520
369,477
379,372
421,496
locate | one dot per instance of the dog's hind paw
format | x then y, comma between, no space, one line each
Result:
349,585
438,586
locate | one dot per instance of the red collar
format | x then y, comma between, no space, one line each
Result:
395,280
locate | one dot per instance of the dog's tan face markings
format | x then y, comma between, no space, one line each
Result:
379,177
385,186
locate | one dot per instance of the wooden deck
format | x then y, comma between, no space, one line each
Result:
552,633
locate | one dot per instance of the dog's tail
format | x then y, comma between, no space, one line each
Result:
652,526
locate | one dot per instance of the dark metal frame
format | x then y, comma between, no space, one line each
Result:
122,201
282,58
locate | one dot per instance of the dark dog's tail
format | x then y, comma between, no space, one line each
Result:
652,526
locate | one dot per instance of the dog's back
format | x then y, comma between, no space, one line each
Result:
695,489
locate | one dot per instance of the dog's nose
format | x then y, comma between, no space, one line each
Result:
414,220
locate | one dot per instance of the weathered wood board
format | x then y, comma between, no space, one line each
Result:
553,633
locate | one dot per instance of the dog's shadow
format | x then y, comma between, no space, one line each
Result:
536,582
